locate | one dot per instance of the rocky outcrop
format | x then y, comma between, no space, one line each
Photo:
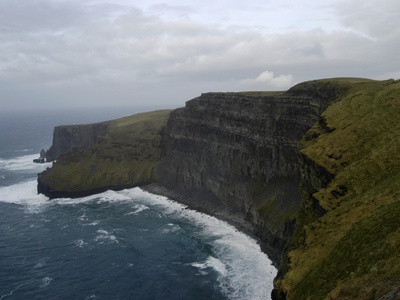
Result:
69,136
323,201
236,155
346,237
112,155
233,155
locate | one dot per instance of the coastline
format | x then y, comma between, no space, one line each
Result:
218,211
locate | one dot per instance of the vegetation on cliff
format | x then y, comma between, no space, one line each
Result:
352,251
125,157
244,149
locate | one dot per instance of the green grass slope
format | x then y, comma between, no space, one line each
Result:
352,251
125,157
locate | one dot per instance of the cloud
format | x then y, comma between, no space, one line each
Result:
376,19
172,11
41,15
89,51
267,81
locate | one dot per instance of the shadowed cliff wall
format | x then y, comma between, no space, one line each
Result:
239,156
116,154
236,154
69,136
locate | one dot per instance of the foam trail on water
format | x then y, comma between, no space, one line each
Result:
46,281
213,263
24,193
23,163
104,236
105,197
244,271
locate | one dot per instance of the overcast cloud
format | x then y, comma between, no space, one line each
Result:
73,53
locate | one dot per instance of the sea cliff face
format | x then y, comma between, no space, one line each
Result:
346,241
112,155
313,172
238,153
67,137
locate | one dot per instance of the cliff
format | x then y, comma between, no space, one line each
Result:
347,239
94,162
68,137
313,172
235,155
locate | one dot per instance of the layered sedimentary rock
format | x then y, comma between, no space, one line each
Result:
69,136
93,161
236,154
324,200
347,239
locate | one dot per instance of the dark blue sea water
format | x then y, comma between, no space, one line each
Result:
115,245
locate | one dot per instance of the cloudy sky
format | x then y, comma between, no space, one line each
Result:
75,53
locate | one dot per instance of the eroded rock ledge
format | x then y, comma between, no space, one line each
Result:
233,155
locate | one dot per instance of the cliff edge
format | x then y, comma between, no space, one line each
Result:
66,137
111,155
235,155
347,238
313,172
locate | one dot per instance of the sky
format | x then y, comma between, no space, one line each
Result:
101,53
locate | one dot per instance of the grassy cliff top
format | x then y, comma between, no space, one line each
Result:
353,251
125,157
139,121
348,80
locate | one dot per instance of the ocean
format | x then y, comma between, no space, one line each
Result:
128,244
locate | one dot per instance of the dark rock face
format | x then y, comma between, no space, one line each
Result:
43,154
114,155
70,136
238,154
233,155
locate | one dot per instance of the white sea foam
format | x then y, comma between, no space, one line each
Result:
42,262
94,223
245,271
138,209
80,243
171,228
24,150
83,217
4,296
46,281
105,237
23,163
105,197
24,194
112,196
211,263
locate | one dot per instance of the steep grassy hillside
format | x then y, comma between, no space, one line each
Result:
125,157
353,250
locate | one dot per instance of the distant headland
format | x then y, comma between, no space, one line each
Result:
313,172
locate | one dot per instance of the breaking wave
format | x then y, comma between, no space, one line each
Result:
242,271
23,163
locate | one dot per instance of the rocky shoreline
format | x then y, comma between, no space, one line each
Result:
207,206
271,164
